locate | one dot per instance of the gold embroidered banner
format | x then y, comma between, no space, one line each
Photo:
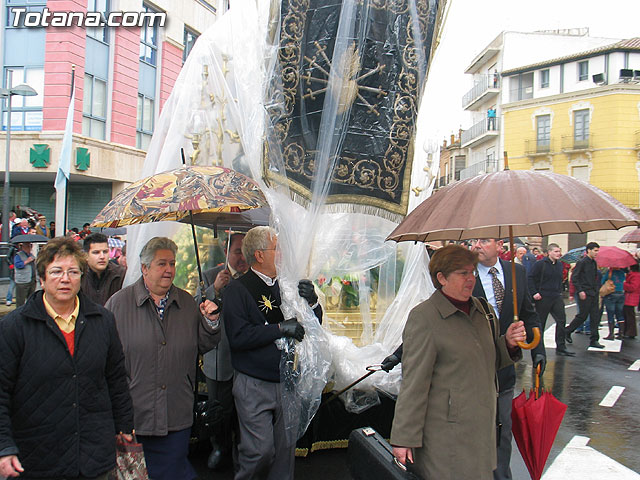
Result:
382,67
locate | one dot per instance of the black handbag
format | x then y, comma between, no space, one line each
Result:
207,418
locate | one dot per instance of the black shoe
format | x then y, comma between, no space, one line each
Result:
596,344
564,352
567,336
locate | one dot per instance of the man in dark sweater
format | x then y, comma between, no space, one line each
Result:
103,278
585,279
253,322
545,284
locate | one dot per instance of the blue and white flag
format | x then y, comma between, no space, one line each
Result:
64,163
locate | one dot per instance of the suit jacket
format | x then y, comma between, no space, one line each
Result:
216,364
527,313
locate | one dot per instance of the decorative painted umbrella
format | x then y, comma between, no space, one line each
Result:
632,237
513,202
174,194
182,195
573,255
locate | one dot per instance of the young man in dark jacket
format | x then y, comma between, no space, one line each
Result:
545,285
585,279
64,395
103,278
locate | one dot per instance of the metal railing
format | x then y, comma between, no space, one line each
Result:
489,165
482,84
570,142
630,198
479,129
538,147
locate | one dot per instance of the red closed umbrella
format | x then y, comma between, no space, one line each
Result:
614,257
535,423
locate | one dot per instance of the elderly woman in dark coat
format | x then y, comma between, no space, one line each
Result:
63,386
445,417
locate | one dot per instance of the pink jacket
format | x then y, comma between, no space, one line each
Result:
632,289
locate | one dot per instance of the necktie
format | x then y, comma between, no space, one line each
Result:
498,288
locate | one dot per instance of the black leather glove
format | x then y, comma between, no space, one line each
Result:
540,359
306,291
390,362
291,328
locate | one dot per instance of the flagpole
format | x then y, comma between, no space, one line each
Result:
64,164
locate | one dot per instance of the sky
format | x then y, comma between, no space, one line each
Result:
472,24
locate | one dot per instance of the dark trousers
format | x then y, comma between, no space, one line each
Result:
587,308
630,328
265,450
503,471
222,391
555,307
23,291
166,456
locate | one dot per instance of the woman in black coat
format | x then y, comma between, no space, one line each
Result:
63,388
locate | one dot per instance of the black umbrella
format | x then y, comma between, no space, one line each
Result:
30,238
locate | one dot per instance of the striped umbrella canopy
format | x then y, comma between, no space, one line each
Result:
172,195
632,237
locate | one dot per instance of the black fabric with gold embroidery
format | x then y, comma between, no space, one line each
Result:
380,96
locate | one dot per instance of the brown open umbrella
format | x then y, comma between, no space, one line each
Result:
632,237
513,202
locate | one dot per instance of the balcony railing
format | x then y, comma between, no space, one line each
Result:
479,129
489,165
538,146
630,198
482,84
571,143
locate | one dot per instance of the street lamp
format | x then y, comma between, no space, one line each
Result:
6,93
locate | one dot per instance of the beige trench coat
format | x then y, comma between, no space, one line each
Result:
446,409
160,357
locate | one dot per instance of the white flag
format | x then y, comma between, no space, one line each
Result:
64,163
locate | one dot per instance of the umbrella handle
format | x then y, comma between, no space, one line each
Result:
538,368
534,343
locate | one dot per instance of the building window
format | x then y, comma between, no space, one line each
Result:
149,39
521,87
94,107
544,78
188,41
26,112
543,133
583,71
29,6
99,33
144,125
581,128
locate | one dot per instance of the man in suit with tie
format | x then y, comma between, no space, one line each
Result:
495,284
216,364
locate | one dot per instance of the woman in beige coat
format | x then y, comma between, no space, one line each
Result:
445,417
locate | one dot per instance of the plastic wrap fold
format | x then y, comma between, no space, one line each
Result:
317,101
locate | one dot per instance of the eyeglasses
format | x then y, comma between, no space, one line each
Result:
57,273
483,241
266,249
466,273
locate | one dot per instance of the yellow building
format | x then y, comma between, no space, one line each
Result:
579,115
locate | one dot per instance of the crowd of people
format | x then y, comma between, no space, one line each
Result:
85,362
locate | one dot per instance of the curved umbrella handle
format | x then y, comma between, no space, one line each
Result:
534,343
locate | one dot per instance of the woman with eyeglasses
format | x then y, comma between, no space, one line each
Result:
63,387
445,417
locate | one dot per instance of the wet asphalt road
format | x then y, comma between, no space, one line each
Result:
581,382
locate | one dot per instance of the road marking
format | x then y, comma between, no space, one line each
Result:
569,306
611,398
609,345
577,460
550,336
635,366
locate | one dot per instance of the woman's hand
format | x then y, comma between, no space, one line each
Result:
127,437
403,454
10,466
207,307
516,333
